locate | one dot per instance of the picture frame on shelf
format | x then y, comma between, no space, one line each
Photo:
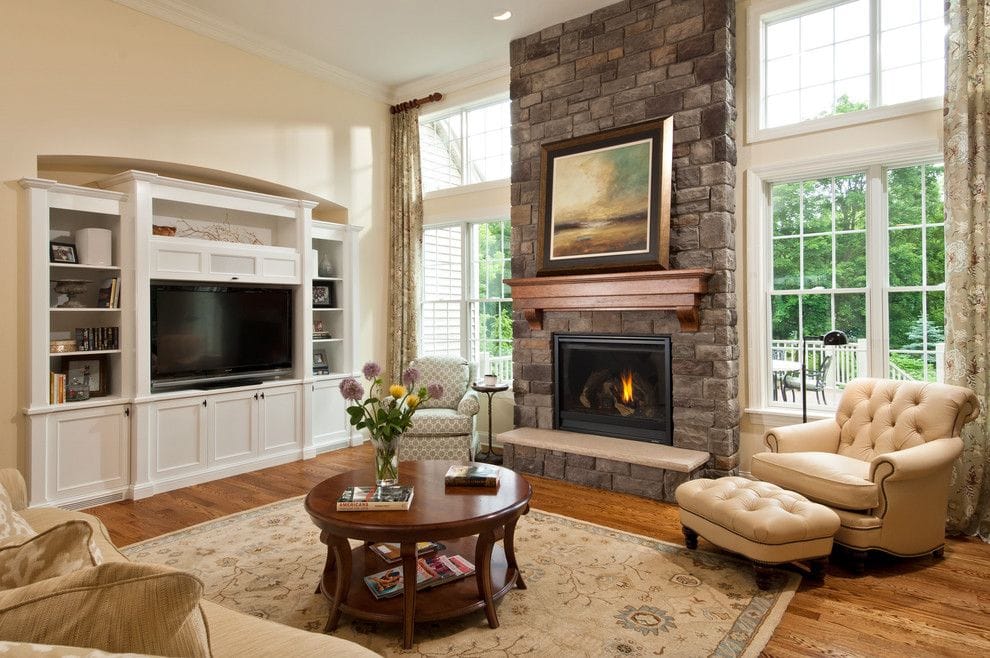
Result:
605,201
96,367
320,329
323,296
62,252
321,366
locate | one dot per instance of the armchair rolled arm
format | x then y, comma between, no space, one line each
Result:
817,436
916,462
12,480
469,404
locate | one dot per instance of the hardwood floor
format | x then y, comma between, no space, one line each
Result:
920,607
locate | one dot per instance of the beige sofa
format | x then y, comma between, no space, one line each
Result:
231,633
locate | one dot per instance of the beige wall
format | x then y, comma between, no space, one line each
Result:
877,135
90,77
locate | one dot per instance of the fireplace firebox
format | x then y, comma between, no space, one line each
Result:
613,385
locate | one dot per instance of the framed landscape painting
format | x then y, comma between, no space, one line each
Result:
605,201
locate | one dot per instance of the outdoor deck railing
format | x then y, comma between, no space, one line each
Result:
850,361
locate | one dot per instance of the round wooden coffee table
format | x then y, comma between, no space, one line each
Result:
467,520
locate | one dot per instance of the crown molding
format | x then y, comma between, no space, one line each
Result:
453,81
182,14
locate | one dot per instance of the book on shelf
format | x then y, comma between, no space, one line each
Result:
56,388
389,551
109,294
358,499
89,339
474,475
430,572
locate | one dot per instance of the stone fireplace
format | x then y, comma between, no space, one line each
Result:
613,385
625,63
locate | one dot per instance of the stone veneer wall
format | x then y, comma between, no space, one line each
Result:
625,63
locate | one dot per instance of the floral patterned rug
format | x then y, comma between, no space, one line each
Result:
592,591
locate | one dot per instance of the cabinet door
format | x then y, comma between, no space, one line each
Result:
87,452
280,411
233,427
179,436
329,415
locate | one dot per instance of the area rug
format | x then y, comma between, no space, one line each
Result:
592,591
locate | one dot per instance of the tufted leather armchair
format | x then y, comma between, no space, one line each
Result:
443,428
883,463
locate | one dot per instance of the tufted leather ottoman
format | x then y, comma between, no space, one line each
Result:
759,520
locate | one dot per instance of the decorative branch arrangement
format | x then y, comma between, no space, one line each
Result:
219,232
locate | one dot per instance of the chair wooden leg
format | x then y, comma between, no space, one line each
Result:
690,537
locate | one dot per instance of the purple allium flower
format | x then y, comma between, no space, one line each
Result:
351,389
435,390
409,376
371,370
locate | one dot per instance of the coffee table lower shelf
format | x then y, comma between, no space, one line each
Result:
451,599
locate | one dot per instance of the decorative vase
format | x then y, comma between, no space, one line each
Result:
386,461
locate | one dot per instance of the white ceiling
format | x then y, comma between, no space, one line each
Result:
383,44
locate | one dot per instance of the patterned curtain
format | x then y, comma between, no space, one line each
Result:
967,237
405,242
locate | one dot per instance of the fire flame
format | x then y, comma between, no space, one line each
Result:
627,386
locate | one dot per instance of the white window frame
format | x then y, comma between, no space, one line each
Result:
759,278
467,294
463,110
770,10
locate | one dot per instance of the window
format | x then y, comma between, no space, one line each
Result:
824,59
466,308
862,252
469,145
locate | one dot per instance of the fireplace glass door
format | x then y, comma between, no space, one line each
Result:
613,385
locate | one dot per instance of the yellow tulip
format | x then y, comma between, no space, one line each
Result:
396,391
412,400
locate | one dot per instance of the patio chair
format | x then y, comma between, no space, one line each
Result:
815,381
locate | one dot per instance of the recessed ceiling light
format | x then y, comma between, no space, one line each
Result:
504,16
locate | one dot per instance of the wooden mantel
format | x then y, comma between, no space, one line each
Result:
677,290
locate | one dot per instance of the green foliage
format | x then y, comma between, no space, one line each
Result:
843,105
916,246
495,318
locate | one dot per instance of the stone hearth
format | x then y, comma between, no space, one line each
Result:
643,469
625,63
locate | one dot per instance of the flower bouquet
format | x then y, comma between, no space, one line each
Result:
386,413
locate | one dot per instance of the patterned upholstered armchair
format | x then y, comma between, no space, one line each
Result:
443,428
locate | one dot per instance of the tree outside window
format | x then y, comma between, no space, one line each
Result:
822,276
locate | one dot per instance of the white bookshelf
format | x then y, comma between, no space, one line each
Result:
133,442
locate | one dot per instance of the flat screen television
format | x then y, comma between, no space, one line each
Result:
219,335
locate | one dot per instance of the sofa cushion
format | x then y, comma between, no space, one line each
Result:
14,529
824,477
235,635
442,422
451,372
43,518
55,552
115,607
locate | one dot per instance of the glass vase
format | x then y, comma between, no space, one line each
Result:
386,461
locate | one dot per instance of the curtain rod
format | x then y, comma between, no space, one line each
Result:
416,102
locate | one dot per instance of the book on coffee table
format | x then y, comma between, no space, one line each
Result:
389,551
471,476
360,499
430,572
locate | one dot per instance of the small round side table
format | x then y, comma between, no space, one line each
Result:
489,456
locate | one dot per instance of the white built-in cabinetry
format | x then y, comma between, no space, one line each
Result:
133,442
